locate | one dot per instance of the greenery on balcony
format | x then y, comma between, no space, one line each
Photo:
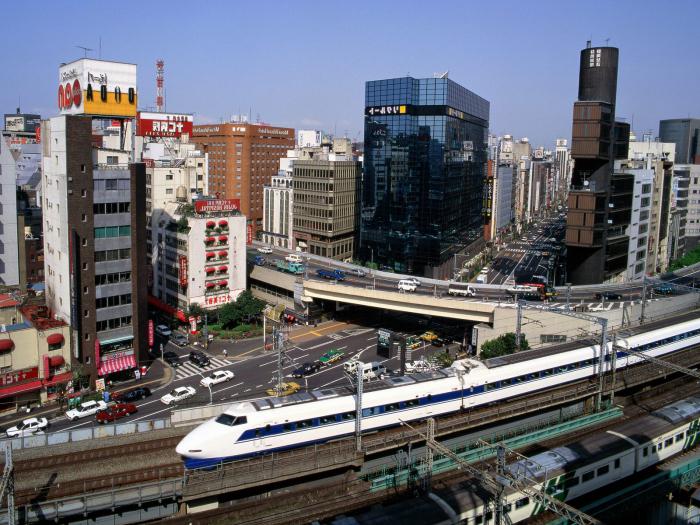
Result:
692,257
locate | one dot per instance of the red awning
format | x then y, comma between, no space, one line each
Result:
211,269
211,224
223,253
165,307
20,388
223,238
222,222
116,365
210,285
60,378
210,239
223,283
6,345
223,268
210,255
55,339
56,360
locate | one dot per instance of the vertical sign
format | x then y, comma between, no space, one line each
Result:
150,333
182,263
249,238
97,353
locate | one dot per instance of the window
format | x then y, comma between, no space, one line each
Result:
679,437
668,442
603,470
522,503
617,463
587,476
645,451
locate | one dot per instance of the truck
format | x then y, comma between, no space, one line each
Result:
290,267
461,289
337,275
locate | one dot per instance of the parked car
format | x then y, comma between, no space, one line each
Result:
88,408
608,296
28,427
331,356
260,260
216,377
306,369
438,341
163,330
265,249
172,358
287,389
130,396
429,336
179,339
199,358
115,412
178,394
663,289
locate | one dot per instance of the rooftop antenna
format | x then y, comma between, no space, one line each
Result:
85,50
607,40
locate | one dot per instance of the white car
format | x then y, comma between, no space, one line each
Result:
163,330
178,394
295,258
28,427
218,376
89,408
265,249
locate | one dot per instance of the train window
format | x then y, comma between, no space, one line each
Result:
562,369
257,432
547,372
411,403
571,482
326,420
479,520
602,471
653,448
617,463
573,366
523,502
391,407
668,442
267,427
347,416
288,427
587,476
588,362
226,419
679,437
508,507
305,424
645,451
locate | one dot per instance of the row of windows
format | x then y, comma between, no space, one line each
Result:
447,396
661,445
111,207
571,480
112,278
113,300
112,255
111,324
105,232
111,184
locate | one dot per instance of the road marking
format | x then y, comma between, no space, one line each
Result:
149,415
316,333
247,390
227,388
258,386
371,338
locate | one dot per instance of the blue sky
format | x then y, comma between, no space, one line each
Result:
304,63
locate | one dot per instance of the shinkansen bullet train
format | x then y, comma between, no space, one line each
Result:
272,424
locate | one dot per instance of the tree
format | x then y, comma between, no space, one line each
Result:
183,225
502,345
245,307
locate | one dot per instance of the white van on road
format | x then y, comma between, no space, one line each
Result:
373,370
293,257
406,286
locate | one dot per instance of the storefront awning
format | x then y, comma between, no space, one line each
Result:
116,365
6,345
55,339
56,360
157,303
20,388
58,379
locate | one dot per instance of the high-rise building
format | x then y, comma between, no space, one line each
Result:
243,157
685,134
9,255
599,200
278,209
692,231
424,172
95,218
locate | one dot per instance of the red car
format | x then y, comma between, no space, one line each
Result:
115,412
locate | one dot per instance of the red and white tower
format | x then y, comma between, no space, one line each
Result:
160,80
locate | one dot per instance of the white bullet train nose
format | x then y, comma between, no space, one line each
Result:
198,444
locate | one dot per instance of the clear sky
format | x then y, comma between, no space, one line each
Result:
304,63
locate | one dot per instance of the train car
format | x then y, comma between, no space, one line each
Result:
272,424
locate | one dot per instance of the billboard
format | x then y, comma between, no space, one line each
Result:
209,205
163,124
22,122
182,263
97,87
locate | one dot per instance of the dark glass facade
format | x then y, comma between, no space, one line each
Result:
424,172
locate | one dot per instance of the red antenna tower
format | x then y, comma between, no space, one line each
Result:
160,81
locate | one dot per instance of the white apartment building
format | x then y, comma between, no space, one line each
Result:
9,255
278,200
692,230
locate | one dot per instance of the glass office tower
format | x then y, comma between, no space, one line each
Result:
424,173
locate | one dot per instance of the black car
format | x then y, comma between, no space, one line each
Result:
608,296
132,395
199,358
306,369
172,359
438,341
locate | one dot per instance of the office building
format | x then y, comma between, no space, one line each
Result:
9,254
599,200
692,231
685,134
278,211
424,164
94,209
326,188
243,157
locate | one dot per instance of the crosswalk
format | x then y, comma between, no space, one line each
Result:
188,369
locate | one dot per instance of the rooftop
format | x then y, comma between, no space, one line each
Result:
40,317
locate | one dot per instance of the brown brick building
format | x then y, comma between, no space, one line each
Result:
243,157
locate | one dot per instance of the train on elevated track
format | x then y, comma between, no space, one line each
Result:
267,425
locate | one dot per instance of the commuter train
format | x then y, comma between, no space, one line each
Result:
272,424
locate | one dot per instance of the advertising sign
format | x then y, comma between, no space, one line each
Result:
19,376
100,384
204,206
249,235
163,124
488,200
182,263
150,333
97,351
97,87
193,323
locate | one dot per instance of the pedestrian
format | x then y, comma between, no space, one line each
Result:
225,353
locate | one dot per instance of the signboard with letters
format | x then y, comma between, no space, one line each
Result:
163,124
372,111
151,338
19,375
210,205
182,263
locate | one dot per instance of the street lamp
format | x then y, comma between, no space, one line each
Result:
211,398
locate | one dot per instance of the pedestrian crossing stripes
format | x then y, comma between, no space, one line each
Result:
187,369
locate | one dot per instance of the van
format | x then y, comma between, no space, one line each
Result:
293,257
481,278
373,370
406,286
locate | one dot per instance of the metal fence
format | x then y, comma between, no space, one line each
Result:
82,434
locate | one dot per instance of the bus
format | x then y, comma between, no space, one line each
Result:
532,291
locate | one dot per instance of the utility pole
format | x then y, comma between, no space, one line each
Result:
277,341
568,295
644,300
358,407
519,322
601,365
206,332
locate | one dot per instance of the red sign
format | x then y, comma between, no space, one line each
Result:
204,206
163,125
249,237
19,376
150,333
218,299
38,134
97,352
193,323
182,262
69,95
